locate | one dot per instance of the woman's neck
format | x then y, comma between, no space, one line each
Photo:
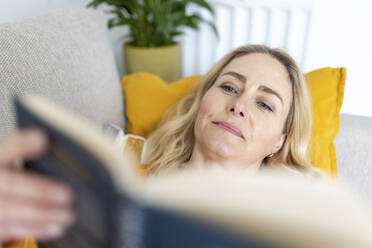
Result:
203,159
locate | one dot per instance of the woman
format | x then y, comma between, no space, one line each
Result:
257,91
252,109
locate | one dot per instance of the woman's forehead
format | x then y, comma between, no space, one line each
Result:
258,66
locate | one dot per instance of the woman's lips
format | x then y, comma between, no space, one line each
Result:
230,128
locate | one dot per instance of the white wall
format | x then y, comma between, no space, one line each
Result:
340,36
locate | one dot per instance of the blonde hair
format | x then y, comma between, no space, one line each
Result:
173,141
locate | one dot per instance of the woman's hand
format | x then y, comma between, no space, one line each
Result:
30,205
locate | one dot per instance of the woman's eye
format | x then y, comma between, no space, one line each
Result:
228,88
265,106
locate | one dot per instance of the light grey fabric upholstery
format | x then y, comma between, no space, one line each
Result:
354,153
65,55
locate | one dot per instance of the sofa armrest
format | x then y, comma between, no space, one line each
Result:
354,152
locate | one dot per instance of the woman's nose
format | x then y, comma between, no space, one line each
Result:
238,110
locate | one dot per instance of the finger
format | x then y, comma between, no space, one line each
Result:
16,211
16,232
22,145
16,165
32,187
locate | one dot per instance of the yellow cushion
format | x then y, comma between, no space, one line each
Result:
148,97
27,243
327,93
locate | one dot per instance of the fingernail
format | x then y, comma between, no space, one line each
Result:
54,230
62,216
35,139
63,195
70,219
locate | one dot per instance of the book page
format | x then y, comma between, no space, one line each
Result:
271,205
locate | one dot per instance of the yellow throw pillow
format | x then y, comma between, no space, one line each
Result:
326,87
148,97
26,243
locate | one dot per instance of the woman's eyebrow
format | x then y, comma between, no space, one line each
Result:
240,77
270,91
263,88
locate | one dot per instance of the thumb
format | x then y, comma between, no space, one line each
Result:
21,146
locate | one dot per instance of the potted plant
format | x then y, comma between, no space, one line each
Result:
153,25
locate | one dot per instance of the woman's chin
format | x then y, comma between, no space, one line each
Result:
223,149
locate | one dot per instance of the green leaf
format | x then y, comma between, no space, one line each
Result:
111,23
95,3
176,33
203,4
115,2
191,24
155,22
178,6
214,28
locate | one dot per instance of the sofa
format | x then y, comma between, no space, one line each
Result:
66,55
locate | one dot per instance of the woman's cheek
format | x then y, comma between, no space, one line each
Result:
201,116
203,107
268,132
207,104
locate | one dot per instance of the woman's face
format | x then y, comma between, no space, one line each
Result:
242,115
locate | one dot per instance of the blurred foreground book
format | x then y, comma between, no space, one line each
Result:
210,208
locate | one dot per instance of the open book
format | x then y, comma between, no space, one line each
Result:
191,208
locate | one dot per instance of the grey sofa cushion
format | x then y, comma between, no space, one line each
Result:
66,56
354,153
